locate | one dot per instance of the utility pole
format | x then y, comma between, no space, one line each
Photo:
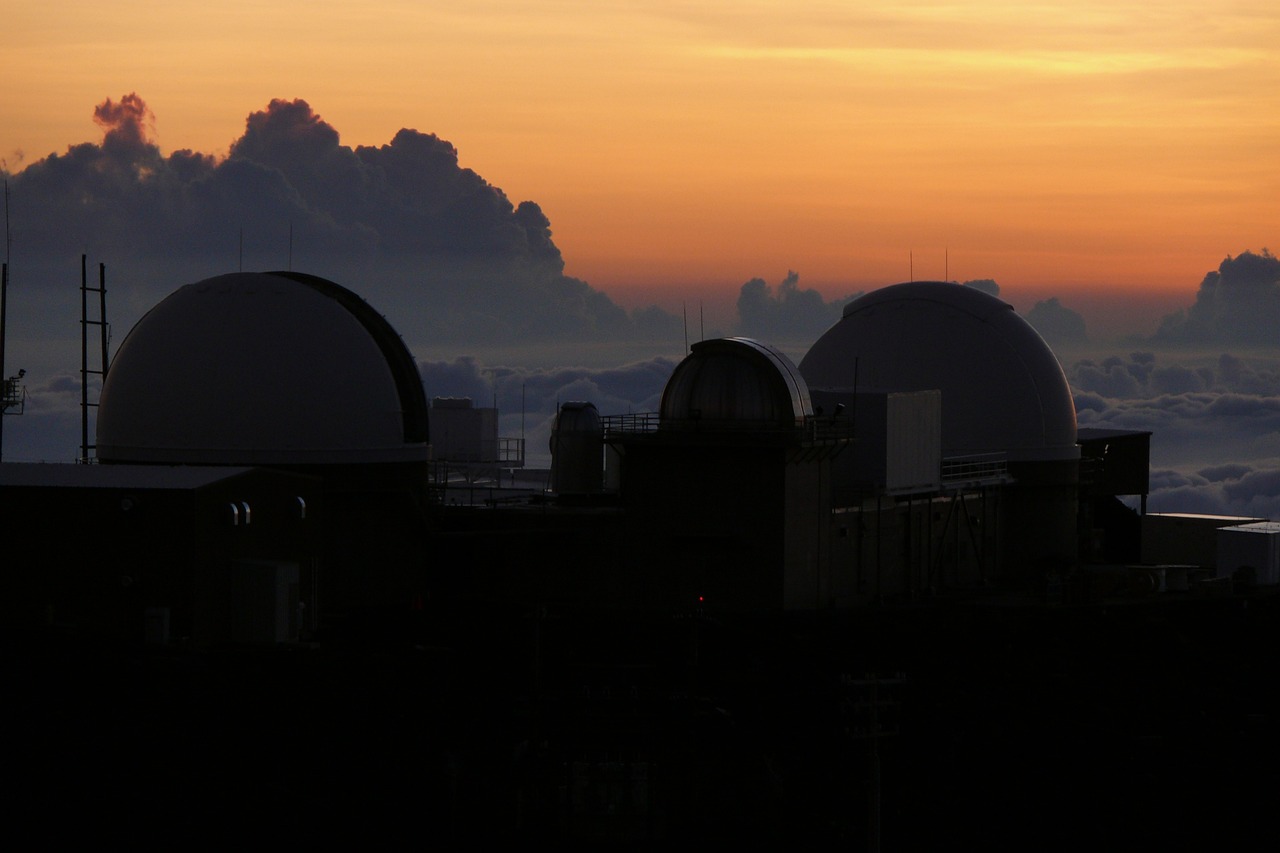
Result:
869,726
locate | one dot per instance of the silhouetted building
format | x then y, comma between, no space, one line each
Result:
293,372
1005,403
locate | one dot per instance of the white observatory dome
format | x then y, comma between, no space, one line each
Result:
735,383
262,368
1002,387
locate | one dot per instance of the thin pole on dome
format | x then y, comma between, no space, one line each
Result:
911,265
702,329
684,310
290,247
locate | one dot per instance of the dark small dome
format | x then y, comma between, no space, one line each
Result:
735,383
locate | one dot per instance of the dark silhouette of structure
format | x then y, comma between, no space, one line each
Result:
889,593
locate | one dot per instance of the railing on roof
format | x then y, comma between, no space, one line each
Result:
501,452
813,429
975,468
632,423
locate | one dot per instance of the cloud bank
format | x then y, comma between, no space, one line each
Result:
1057,323
1237,304
787,313
1215,425
428,242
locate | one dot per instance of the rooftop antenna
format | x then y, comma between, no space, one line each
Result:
702,329
911,265
684,310
946,264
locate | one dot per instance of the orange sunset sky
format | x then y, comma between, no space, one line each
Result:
1059,148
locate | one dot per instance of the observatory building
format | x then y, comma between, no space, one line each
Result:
726,492
263,440
263,369
1007,415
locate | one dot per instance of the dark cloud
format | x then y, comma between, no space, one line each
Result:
1239,304
1218,473
1215,425
126,125
1055,322
986,285
442,252
1140,375
1238,490
789,313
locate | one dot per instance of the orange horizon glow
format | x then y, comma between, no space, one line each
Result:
1063,148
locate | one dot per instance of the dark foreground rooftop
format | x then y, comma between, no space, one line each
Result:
1029,727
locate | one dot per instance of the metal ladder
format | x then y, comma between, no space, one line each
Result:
85,405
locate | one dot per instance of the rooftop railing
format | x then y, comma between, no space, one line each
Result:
813,428
975,468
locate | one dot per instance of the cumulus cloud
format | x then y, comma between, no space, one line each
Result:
986,285
446,255
1239,303
1055,322
787,313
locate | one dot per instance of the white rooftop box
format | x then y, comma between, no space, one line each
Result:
1250,546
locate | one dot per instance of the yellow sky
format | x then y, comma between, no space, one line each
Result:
1076,144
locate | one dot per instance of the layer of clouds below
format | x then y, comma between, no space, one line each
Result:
1215,424
1215,420
527,398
